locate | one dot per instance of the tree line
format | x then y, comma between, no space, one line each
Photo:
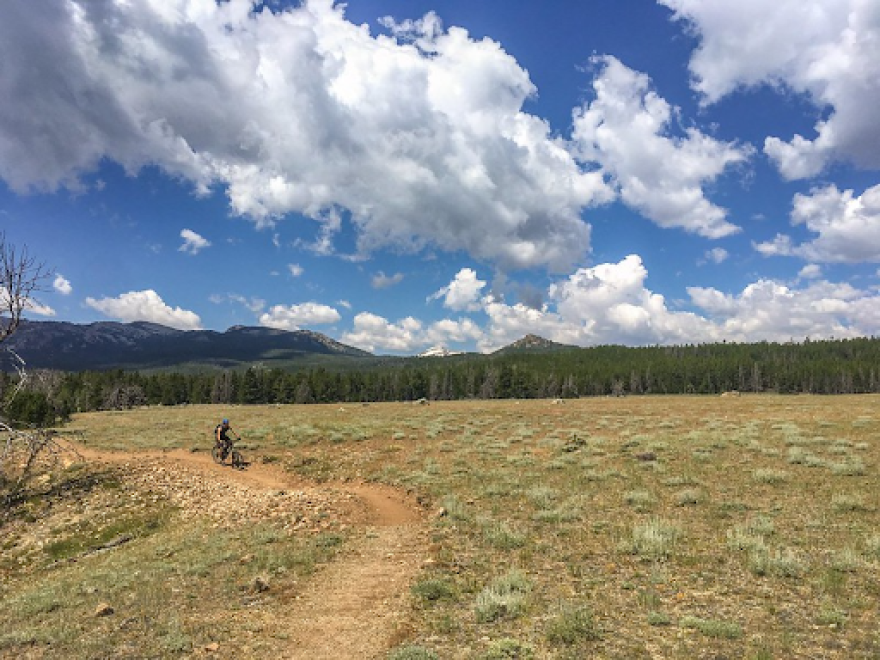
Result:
814,367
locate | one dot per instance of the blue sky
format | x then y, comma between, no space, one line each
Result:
400,174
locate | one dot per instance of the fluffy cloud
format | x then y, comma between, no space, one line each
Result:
452,331
294,317
610,304
62,285
772,311
463,293
810,272
217,93
382,281
626,129
295,270
192,242
374,333
31,305
827,49
145,306
716,255
848,227
36,307
607,303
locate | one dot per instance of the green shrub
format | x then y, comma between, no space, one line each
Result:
852,466
507,648
653,540
432,589
571,624
29,408
842,503
504,598
781,563
502,537
639,499
658,619
412,653
713,627
689,496
769,476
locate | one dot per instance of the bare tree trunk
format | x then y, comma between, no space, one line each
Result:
20,277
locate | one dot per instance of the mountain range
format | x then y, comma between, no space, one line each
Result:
149,346
140,345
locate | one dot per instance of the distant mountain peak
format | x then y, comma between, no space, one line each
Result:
532,340
438,351
533,343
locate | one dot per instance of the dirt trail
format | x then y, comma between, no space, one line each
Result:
355,606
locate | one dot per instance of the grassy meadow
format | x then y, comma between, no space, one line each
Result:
639,527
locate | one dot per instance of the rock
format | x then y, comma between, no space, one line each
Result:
104,609
442,512
260,584
647,456
213,647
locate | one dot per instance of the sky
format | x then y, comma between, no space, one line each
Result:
402,174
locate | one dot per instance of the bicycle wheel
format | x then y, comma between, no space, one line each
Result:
217,454
237,460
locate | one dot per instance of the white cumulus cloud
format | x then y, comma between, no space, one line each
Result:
716,255
382,281
372,332
627,130
772,311
463,293
847,227
62,285
450,331
145,306
294,317
611,304
31,305
219,94
810,272
608,303
826,49
193,243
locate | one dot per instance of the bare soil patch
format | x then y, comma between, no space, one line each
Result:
353,607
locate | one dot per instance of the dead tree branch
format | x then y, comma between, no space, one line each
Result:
20,449
21,276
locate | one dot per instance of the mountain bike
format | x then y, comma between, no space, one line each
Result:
220,453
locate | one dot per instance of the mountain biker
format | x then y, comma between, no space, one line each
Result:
222,438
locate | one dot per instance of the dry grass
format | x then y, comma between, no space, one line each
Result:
751,532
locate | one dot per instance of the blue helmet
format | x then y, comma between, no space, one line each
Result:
226,421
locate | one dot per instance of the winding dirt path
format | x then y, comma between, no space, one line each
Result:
356,606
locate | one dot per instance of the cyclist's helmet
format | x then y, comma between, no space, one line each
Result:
226,421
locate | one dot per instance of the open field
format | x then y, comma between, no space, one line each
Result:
642,527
